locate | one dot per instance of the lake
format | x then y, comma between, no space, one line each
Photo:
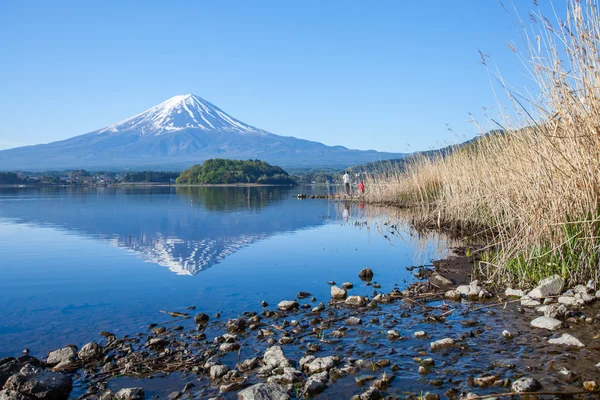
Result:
77,261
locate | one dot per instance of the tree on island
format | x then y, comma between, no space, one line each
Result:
222,171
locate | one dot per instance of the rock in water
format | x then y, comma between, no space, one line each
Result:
526,385
337,293
356,301
90,352
453,295
546,323
65,356
130,394
288,305
442,343
201,319
41,384
365,274
274,358
567,340
264,391
548,287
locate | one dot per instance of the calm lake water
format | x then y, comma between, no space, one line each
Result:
74,262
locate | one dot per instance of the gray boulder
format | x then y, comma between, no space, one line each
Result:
40,384
264,391
567,340
90,352
288,305
63,357
546,323
130,394
439,280
321,364
289,375
548,287
555,310
8,367
514,293
525,385
13,395
274,358
338,293
356,301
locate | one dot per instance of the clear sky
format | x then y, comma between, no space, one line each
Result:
384,75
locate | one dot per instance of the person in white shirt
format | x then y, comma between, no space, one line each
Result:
346,178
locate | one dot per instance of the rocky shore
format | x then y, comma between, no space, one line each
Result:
444,336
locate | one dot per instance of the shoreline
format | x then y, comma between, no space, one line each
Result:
351,345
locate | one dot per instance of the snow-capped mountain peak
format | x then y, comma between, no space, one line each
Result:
180,112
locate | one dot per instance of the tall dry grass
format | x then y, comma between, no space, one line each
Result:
536,186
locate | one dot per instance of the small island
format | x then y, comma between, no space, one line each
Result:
220,171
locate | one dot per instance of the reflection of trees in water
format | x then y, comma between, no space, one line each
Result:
234,198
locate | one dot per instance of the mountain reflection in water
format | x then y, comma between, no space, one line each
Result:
187,229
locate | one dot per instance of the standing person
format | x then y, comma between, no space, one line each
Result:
361,187
346,178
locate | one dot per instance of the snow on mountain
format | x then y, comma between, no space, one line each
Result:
181,112
176,134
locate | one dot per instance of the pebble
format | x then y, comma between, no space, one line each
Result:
442,343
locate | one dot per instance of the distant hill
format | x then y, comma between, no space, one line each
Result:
180,132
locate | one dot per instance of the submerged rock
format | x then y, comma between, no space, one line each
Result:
264,391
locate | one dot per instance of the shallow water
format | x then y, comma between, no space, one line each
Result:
75,262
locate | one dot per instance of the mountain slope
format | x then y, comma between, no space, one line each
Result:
175,134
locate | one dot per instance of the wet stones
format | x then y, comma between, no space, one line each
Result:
312,365
236,325
303,295
485,381
62,358
274,358
371,394
547,287
525,385
470,291
201,319
247,365
264,304
315,384
130,394
229,347
566,340
90,352
546,323
527,301
507,335
320,307
356,301
441,344
453,295
353,321
590,386
555,310
39,383
338,293
420,334
382,298
365,274
393,334
347,285
218,371
288,375
288,305
264,391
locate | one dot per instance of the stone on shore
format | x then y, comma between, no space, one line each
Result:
288,305
65,356
90,352
130,394
439,280
556,310
338,293
567,340
470,291
320,364
453,294
525,385
264,391
274,358
548,287
39,383
442,343
356,301
514,293
365,274
527,301
546,323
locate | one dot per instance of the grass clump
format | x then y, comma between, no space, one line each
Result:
534,186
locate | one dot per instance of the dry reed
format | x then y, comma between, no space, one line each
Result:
536,184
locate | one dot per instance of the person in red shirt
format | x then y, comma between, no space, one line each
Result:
361,187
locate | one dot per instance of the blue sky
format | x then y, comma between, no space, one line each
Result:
384,75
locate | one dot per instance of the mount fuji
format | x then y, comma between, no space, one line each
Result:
176,134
